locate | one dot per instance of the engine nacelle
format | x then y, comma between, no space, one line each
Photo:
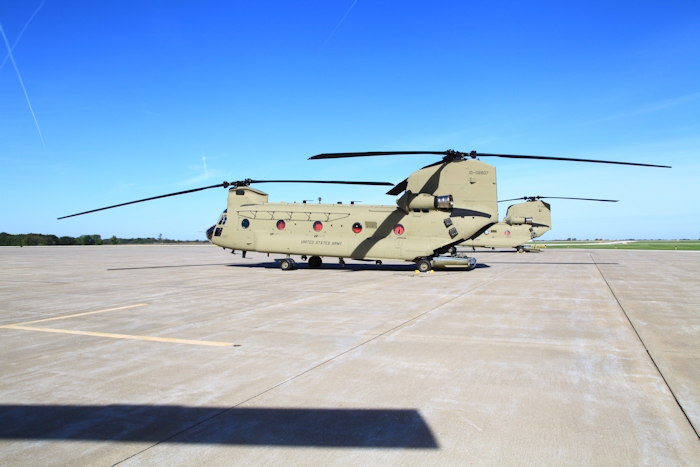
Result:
512,220
423,201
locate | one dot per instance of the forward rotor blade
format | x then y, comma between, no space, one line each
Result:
146,199
234,184
533,198
333,182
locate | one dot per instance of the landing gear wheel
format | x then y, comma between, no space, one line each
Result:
424,265
315,262
520,249
287,264
453,251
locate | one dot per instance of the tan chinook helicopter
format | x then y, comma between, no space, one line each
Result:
522,223
441,205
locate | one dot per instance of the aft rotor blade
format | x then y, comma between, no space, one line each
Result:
399,188
339,155
534,198
451,156
333,182
597,161
146,199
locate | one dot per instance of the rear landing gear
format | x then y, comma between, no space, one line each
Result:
315,262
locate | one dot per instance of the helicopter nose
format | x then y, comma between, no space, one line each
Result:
210,232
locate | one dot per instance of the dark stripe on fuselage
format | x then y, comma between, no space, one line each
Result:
459,212
383,231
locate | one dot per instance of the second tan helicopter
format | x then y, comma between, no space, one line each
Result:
522,223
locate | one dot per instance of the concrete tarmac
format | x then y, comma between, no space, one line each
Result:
188,355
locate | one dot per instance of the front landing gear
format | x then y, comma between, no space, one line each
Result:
288,264
315,262
424,265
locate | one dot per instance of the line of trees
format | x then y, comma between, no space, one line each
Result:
33,239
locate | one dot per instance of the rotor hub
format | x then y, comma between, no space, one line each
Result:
451,155
238,184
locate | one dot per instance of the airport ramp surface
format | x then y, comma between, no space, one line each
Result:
188,355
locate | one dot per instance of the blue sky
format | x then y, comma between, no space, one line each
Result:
133,99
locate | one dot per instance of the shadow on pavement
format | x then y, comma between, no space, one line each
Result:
369,266
350,267
535,263
364,428
170,266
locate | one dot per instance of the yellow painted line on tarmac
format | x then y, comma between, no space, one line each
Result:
121,336
24,327
78,314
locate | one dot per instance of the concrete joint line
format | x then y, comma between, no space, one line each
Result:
645,347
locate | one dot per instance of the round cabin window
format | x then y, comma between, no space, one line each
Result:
398,229
357,227
245,223
281,224
318,226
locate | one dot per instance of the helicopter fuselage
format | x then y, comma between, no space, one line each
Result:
443,205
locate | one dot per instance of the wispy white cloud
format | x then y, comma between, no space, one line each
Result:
204,173
662,105
22,32
341,22
12,59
